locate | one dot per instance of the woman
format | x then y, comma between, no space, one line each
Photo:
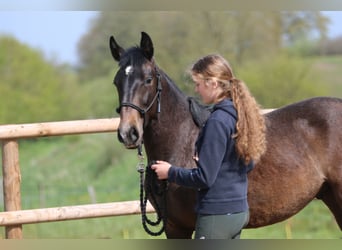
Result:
228,145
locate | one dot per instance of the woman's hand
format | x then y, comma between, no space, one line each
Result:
162,169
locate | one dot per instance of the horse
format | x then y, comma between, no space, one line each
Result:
302,162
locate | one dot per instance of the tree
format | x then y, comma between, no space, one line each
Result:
180,38
32,89
282,79
238,35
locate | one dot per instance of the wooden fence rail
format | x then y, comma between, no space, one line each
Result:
71,213
33,130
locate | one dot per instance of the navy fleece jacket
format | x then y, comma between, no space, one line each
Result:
220,176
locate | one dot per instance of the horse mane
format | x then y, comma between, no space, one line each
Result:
199,113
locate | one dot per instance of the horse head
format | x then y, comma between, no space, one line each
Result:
139,86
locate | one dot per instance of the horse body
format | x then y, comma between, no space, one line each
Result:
302,160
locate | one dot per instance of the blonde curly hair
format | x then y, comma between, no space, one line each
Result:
250,126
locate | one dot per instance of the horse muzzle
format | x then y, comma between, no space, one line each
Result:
130,137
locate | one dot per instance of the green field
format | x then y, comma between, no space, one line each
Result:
330,69
61,171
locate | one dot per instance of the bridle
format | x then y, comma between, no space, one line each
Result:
142,111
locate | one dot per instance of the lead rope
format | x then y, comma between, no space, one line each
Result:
143,198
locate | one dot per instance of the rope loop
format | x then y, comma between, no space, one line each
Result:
151,189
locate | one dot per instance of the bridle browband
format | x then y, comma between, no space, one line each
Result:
141,111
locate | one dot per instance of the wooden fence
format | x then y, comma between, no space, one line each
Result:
14,217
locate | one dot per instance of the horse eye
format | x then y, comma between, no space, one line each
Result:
148,80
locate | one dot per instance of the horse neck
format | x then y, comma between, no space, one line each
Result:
174,122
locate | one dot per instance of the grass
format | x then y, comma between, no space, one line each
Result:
60,170
314,222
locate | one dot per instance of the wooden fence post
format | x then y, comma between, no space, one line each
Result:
11,184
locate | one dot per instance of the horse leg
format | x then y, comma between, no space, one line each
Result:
180,216
332,197
174,231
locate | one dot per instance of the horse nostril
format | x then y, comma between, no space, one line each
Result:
120,137
128,137
133,134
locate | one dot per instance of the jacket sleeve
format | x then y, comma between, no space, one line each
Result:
211,154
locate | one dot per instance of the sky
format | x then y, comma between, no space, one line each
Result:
57,33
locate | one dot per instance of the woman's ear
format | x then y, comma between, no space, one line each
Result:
214,83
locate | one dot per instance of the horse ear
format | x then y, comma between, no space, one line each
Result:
116,50
146,45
